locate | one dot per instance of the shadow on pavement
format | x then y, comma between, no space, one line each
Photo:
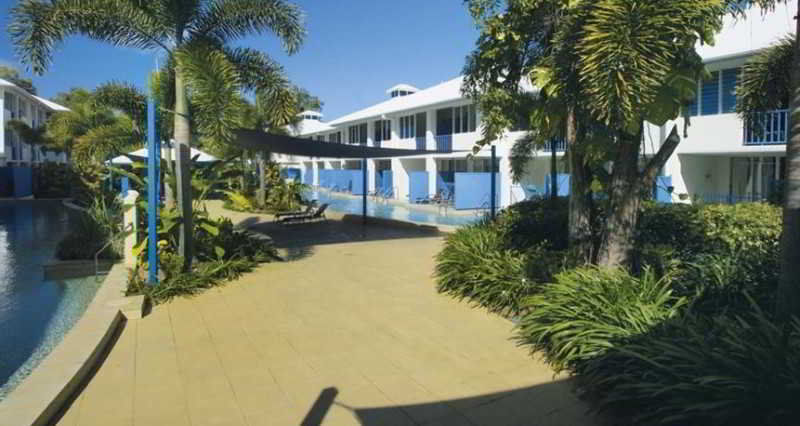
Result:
552,404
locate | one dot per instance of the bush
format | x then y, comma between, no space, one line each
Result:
100,224
589,310
53,180
726,370
475,265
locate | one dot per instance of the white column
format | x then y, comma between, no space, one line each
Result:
315,176
3,149
430,167
430,134
399,179
372,165
129,225
505,181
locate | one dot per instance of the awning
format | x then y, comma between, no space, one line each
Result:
282,144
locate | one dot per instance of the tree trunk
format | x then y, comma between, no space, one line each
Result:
788,297
183,173
580,199
262,188
169,194
625,195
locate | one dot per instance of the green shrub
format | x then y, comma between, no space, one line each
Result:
53,180
727,370
474,265
589,310
92,229
533,222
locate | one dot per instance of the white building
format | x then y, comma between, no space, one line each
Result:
718,162
18,104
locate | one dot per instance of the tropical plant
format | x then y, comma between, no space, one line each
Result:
741,369
474,265
768,81
196,39
98,225
586,312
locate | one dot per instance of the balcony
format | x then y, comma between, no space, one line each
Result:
768,128
421,143
444,143
560,146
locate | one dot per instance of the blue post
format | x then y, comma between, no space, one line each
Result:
153,184
364,187
124,185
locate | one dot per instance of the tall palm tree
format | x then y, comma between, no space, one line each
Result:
194,34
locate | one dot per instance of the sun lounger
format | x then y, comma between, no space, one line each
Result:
308,210
319,214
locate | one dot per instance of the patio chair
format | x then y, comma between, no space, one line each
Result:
308,210
319,214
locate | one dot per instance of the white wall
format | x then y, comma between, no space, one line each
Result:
757,31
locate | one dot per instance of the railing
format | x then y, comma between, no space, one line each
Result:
561,146
767,128
444,143
421,143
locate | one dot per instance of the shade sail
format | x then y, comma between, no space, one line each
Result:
282,144
202,157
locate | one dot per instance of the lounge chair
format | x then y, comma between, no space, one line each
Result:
308,210
319,214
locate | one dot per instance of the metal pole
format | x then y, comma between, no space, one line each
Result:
153,163
493,201
364,188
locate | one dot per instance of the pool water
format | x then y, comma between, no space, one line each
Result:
343,204
34,313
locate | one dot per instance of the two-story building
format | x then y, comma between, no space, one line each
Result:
719,161
16,156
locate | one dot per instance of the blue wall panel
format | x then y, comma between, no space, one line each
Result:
308,176
661,194
417,186
473,190
563,185
23,181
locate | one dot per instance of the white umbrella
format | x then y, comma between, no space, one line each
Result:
202,157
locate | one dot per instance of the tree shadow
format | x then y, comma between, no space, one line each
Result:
551,403
298,241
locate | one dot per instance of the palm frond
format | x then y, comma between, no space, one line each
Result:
38,27
766,79
230,19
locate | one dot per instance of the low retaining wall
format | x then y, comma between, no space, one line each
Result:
43,394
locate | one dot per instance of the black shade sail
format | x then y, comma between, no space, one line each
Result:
282,144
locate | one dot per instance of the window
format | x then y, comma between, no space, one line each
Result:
730,79
23,109
408,127
444,121
335,137
383,130
9,103
320,138
485,165
357,134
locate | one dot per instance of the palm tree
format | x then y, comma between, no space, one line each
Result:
194,35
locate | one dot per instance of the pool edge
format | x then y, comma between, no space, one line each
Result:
41,396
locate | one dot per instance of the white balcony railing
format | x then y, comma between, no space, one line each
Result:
767,128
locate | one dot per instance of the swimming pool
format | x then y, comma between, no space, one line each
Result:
35,313
345,204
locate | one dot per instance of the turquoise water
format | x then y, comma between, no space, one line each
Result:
35,313
349,205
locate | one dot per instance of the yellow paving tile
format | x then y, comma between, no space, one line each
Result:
357,317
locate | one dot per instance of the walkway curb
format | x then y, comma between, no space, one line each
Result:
41,397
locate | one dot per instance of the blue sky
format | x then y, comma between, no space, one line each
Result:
354,51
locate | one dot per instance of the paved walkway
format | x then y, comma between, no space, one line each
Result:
350,332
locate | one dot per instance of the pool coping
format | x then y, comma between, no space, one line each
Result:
41,396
